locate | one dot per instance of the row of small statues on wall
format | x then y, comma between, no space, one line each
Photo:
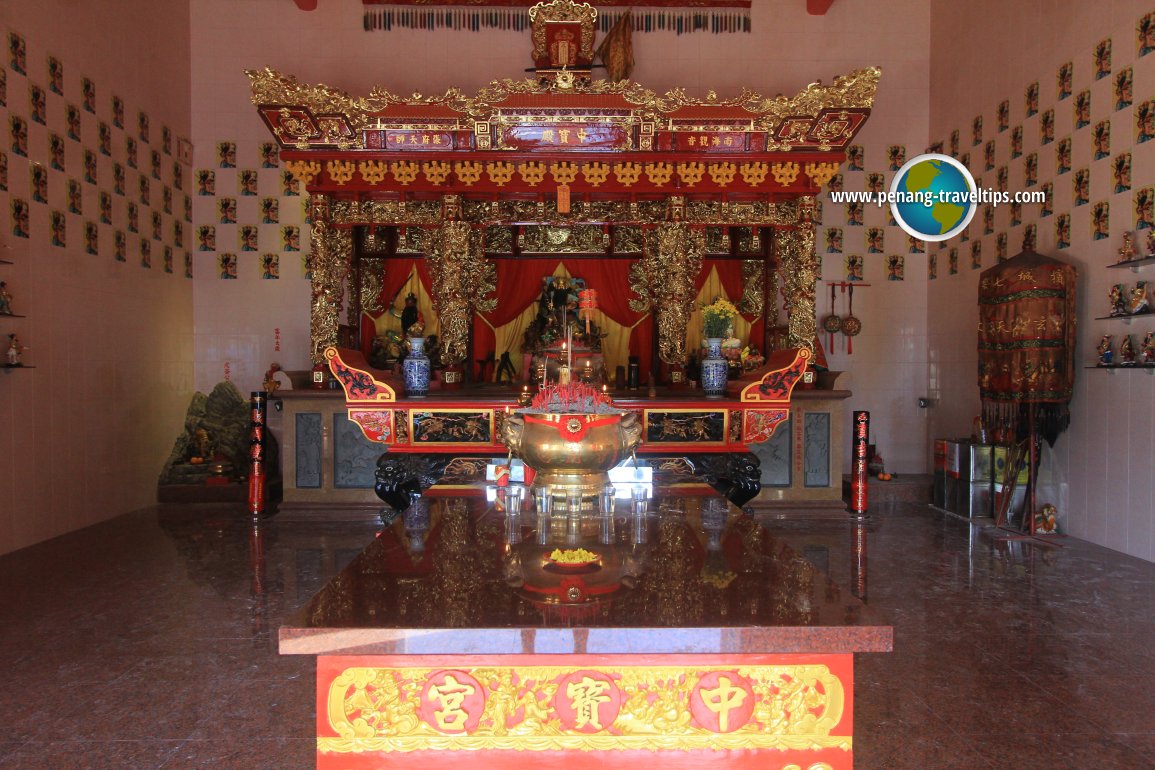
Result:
1128,251
1127,354
1135,301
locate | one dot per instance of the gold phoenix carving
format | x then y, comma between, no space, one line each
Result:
663,280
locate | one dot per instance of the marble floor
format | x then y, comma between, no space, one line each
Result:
149,641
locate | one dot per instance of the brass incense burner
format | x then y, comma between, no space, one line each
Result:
571,436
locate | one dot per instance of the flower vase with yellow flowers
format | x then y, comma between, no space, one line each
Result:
717,323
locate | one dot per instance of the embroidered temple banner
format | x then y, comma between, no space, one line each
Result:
679,16
1026,341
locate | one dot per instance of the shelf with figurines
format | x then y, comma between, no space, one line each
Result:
6,302
1129,257
1127,357
1128,303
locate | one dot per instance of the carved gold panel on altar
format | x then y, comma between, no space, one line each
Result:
680,426
798,708
452,426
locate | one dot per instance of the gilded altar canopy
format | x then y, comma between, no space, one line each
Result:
1027,341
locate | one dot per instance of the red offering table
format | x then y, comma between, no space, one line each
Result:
698,640
717,432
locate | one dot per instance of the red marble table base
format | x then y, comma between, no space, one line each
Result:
770,712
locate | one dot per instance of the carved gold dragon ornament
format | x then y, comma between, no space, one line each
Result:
799,268
663,279
463,281
329,262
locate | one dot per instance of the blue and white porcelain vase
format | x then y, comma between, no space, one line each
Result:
415,368
714,369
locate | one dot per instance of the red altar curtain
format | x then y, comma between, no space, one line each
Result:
397,271
611,278
518,284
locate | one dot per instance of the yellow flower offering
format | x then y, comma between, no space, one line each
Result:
717,318
572,556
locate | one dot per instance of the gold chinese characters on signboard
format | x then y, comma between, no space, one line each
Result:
549,708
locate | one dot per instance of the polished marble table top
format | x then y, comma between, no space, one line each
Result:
459,574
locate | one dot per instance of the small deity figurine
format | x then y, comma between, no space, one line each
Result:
1127,351
5,299
1151,243
270,384
410,315
1147,352
14,350
1106,355
1047,520
1118,300
1127,250
1139,301
202,444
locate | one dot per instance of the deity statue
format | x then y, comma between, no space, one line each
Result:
270,383
1047,520
15,349
1139,301
202,446
1118,302
409,315
1127,250
1106,355
1127,351
1147,352
5,299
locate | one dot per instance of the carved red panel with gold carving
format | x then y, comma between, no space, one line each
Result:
759,424
360,386
376,424
763,711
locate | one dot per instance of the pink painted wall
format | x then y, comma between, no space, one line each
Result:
988,51
236,320
84,434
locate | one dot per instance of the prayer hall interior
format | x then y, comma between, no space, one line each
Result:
205,197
